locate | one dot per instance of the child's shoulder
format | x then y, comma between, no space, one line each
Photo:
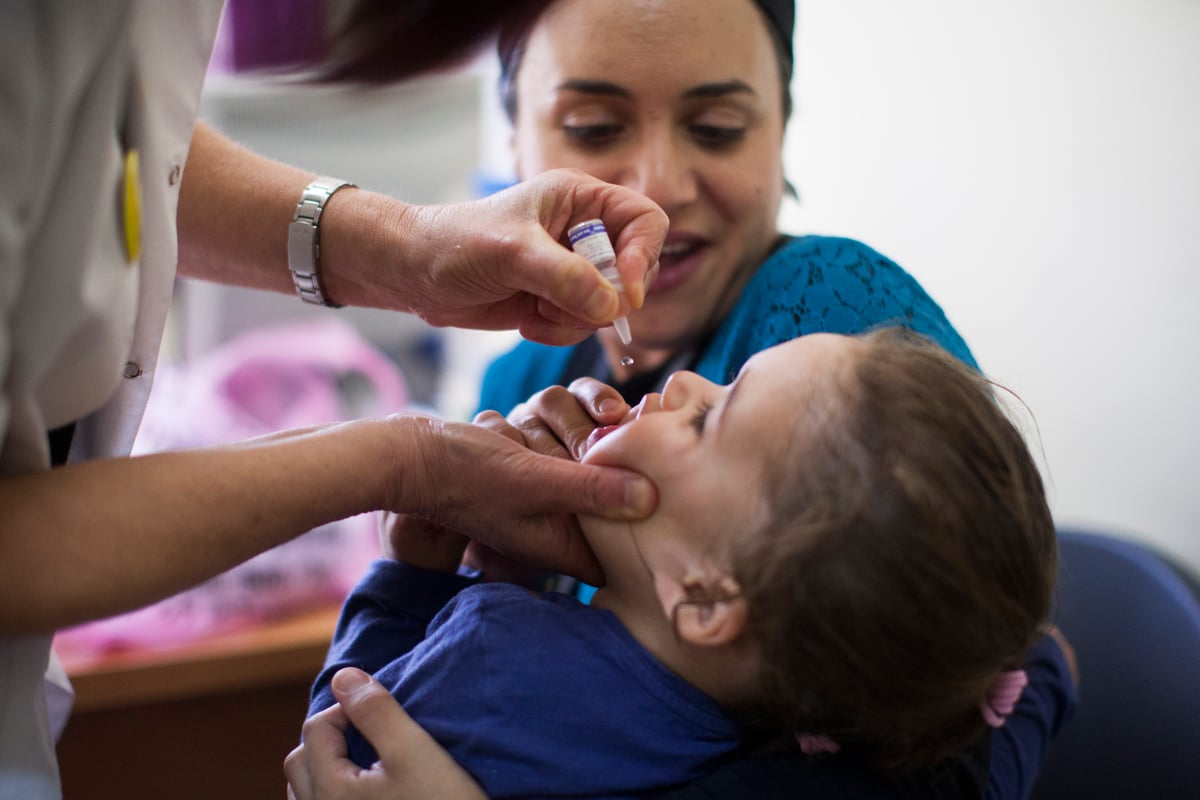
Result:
505,618
496,601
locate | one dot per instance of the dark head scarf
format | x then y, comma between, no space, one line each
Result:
780,16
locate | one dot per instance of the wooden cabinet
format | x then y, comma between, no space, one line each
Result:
213,719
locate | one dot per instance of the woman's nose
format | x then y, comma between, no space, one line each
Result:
662,170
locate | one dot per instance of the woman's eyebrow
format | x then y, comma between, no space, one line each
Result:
585,86
610,89
709,90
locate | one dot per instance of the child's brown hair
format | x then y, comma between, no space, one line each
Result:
911,559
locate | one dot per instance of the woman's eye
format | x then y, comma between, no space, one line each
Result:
716,135
592,134
699,418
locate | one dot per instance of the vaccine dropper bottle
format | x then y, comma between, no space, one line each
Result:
590,240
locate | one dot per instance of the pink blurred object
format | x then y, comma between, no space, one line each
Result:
264,381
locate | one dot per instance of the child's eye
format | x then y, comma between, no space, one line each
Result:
700,417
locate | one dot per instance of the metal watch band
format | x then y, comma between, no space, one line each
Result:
304,241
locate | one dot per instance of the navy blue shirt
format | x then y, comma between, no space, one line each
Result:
538,695
535,695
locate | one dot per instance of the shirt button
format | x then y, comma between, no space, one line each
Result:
173,178
132,370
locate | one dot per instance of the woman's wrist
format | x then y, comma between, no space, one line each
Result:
367,244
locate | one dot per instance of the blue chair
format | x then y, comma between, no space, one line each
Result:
1133,618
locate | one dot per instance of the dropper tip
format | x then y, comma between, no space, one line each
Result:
622,327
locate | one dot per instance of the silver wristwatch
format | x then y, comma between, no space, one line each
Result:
304,241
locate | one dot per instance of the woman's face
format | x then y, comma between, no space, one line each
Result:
707,447
680,100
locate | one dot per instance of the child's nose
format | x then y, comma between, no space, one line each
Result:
679,389
650,404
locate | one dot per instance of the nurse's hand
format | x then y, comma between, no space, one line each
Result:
556,421
497,263
493,488
411,764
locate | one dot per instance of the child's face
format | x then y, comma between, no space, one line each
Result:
708,448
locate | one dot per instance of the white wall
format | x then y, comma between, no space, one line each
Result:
1036,165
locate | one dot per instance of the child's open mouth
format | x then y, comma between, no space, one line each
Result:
600,433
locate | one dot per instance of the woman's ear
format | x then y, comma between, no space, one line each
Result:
712,613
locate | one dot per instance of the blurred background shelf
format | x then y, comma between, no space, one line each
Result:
213,718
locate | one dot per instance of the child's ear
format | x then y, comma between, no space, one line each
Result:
713,613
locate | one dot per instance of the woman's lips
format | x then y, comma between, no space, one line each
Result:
676,265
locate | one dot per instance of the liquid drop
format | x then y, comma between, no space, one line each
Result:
627,361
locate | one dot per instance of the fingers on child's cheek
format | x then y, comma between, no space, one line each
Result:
490,419
577,439
592,395
541,440
609,409
495,422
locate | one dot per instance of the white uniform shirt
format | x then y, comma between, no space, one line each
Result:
81,84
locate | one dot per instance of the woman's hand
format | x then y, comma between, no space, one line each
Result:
411,764
556,422
496,263
497,491
512,486
493,264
